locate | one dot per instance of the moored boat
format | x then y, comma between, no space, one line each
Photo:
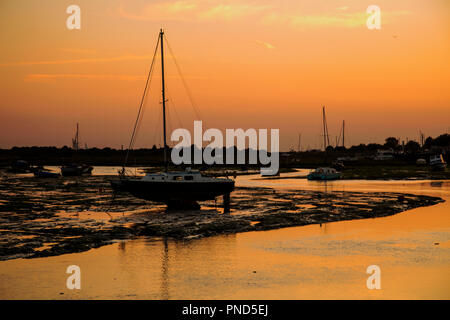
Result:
76,170
172,186
19,166
177,189
338,165
43,173
437,162
324,173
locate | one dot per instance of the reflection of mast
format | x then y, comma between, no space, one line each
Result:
328,201
165,272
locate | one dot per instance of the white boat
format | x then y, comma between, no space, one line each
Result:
437,162
421,162
324,173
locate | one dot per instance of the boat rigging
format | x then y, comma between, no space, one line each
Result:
180,189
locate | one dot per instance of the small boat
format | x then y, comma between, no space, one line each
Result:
421,162
383,155
324,173
44,173
74,169
19,166
437,162
338,165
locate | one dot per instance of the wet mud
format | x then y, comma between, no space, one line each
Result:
48,217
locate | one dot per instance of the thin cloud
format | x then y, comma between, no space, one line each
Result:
70,61
265,13
265,44
199,10
35,77
178,10
232,11
78,51
344,19
45,76
335,20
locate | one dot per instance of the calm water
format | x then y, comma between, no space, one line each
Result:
312,262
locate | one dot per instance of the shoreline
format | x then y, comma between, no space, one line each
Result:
384,173
75,215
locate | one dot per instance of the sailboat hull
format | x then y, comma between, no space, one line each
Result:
166,191
76,170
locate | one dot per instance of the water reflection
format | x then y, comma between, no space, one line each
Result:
311,262
165,271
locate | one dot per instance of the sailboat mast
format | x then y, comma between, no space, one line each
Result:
75,140
324,130
343,133
161,34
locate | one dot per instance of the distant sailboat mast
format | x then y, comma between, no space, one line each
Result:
75,142
326,138
343,133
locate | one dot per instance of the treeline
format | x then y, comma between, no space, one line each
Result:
155,156
441,142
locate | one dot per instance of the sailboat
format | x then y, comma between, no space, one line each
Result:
324,173
180,189
75,169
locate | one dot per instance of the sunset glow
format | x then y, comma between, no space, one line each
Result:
249,64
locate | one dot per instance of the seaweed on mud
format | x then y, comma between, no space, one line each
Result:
40,218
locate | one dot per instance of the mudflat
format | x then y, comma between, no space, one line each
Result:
48,217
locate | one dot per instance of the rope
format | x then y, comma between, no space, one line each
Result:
191,99
136,124
172,102
339,139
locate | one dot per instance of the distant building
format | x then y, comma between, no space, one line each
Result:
384,155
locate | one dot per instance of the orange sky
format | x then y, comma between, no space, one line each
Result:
248,63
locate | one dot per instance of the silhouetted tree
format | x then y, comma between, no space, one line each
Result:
359,148
412,147
374,146
442,141
391,142
428,143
